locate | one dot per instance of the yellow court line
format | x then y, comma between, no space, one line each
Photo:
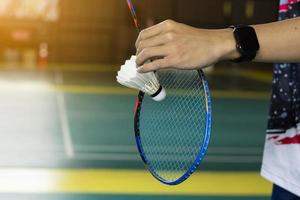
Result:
249,74
130,182
108,90
83,67
112,90
257,75
253,95
70,67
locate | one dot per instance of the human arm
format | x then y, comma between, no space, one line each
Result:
175,45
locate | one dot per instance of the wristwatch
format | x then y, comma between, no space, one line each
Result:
246,42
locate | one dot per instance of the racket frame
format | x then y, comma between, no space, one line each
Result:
202,150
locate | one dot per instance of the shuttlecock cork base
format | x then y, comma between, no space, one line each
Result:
145,82
159,95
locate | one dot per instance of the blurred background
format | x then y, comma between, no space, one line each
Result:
66,129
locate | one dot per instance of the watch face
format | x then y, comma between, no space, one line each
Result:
247,39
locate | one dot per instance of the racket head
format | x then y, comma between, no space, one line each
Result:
172,136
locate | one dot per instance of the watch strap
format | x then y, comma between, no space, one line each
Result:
245,56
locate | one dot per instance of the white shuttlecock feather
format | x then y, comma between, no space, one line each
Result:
145,82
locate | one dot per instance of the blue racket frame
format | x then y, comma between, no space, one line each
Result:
202,150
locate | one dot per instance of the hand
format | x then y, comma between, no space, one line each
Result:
174,45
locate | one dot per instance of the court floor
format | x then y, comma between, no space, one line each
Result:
67,133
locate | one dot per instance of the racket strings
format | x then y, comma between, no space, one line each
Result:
173,130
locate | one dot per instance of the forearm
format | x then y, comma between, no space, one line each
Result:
279,42
175,45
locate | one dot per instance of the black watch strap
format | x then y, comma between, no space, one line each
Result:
246,42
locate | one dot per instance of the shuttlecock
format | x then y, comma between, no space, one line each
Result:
145,82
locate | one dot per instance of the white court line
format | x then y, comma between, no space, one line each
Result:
136,157
133,149
63,116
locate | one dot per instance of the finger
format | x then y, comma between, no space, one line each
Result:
155,41
155,65
152,52
154,30
148,33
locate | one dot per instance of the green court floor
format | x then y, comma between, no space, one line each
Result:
81,119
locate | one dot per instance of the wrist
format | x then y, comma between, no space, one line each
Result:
228,45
